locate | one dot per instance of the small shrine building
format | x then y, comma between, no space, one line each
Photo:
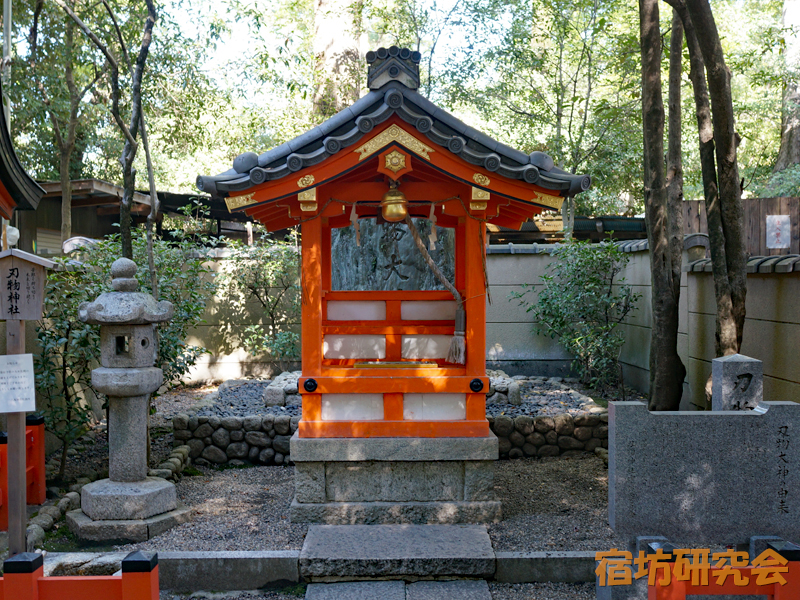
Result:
386,408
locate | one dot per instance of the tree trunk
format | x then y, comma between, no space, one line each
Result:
336,48
125,220
65,154
666,369
726,141
674,158
789,153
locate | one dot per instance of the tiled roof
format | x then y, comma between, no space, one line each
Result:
393,97
25,192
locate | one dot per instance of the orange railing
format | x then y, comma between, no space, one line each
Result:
36,492
23,579
778,578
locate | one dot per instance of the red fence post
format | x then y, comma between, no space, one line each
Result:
34,458
3,481
140,576
21,576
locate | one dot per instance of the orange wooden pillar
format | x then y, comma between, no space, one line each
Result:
475,308
311,312
34,458
21,575
36,492
140,576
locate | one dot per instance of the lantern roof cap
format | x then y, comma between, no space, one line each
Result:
396,95
125,306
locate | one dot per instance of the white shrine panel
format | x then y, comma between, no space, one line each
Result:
356,310
354,346
352,407
428,310
434,407
417,347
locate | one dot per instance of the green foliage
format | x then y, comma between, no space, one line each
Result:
68,348
267,274
781,184
581,304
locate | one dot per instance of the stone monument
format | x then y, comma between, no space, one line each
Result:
128,506
737,382
700,479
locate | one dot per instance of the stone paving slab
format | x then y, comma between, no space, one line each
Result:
448,590
357,590
340,552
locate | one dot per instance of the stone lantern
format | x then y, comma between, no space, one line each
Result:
128,505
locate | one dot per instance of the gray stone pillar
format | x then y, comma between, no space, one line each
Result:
127,438
737,382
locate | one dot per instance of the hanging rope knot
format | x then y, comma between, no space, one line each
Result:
458,350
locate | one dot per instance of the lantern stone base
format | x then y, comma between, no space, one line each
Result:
106,500
394,480
126,511
124,530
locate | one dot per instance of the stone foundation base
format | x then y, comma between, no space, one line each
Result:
124,530
342,481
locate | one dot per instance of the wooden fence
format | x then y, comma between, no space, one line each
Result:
756,211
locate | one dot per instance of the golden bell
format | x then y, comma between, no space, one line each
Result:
393,205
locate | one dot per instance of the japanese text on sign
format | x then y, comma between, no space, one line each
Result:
17,388
616,567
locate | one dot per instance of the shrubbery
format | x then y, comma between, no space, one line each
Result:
581,303
268,274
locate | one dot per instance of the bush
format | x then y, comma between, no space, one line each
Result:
267,273
69,349
581,304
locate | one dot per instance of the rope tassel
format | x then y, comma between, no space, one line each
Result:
354,221
432,238
457,353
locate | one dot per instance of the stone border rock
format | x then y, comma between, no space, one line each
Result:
559,435
258,439
172,468
264,439
52,511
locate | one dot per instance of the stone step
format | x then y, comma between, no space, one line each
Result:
357,590
397,590
352,552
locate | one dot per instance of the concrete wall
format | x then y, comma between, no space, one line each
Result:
222,331
511,343
771,332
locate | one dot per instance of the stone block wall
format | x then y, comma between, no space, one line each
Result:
258,439
559,435
264,439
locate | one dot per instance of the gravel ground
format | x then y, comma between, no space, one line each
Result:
548,504
234,509
553,504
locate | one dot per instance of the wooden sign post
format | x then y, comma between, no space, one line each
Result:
22,277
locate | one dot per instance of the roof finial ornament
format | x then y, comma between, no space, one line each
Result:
393,64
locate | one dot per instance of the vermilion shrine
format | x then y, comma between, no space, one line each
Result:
391,431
